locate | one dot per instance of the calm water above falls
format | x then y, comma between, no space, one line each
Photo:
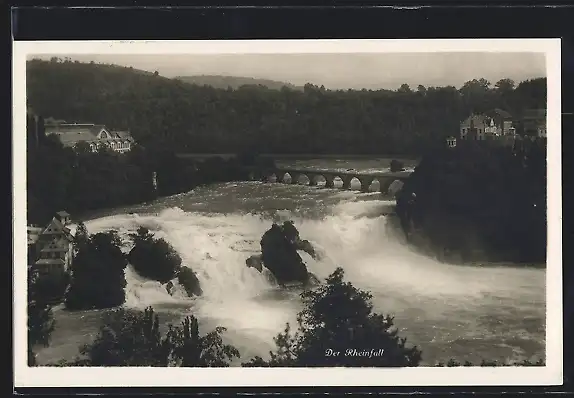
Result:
449,311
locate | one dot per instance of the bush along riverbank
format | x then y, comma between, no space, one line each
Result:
478,202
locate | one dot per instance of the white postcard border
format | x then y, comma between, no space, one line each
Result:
551,374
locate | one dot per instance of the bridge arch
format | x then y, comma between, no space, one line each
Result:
391,185
395,186
313,179
287,178
270,177
354,183
375,185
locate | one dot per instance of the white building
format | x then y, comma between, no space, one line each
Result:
71,134
55,247
482,127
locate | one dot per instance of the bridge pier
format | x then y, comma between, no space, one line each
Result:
365,183
329,180
312,179
384,185
295,177
346,181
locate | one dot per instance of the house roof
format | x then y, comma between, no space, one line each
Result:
475,118
123,135
71,134
63,213
57,228
74,128
46,261
55,223
72,138
487,116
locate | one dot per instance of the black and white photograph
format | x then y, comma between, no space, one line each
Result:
358,211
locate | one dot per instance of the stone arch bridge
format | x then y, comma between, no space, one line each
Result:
385,179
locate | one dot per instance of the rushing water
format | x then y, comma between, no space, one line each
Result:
449,311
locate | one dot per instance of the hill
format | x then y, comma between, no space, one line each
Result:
234,82
168,113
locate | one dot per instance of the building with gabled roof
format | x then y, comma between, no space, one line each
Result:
54,246
494,124
94,135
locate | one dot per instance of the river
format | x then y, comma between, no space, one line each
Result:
449,311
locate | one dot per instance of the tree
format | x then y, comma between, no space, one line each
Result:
405,88
81,237
97,273
505,85
128,338
338,328
133,338
40,319
192,350
476,85
153,258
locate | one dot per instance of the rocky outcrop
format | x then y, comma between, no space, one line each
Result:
255,261
307,247
187,278
477,203
169,287
292,235
280,256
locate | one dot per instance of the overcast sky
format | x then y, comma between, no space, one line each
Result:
369,70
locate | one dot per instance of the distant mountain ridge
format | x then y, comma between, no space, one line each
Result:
223,82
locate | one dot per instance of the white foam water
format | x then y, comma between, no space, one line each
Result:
435,303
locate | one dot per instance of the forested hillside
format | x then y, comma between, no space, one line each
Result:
234,82
186,117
